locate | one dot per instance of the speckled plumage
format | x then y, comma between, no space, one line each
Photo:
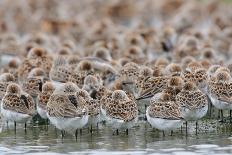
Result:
66,110
17,106
163,113
192,101
121,112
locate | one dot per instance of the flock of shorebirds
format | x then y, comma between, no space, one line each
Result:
117,74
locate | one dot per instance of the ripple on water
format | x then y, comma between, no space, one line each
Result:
204,146
184,153
4,149
172,149
33,148
45,153
110,152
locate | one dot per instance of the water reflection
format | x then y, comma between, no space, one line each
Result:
213,139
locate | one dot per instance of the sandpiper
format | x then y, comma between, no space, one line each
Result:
121,112
66,110
93,109
43,98
193,103
164,114
17,106
91,84
219,91
34,82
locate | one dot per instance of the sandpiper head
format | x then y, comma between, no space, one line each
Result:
205,63
119,85
135,39
168,31
131,65
229,66
162,62
146,71
129,71
212,69
64,51
38,38
192,42
208,53
164,97
28,47
186,61
7,77
36,52
102,53
13,88
82,93
73,60
189,86
134,52
13,63
90,82
123,61
194,65
119,95
173,69
84,65
48,87
36,72
66,88
175,82
70,87
222,76
157,71
69,44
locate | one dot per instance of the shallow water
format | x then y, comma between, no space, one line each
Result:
213,138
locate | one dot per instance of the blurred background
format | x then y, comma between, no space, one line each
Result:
54,16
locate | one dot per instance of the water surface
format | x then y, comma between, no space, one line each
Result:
213,138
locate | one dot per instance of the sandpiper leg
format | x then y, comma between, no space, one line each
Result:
7,125
171,132
219,114
80,131
117,131
15,127
46,124
196,127
76,132
91,129
186,128
62,134
55,131
163,133
222,119
127,131
25,127
210,110
210,106
97,127
230,115
145,117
